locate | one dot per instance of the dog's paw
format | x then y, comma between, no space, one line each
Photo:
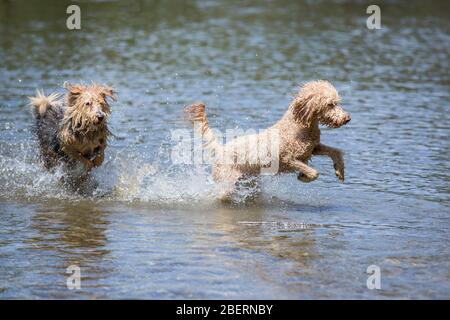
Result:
308,178
339,171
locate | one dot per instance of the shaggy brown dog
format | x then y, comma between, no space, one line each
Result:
73,130
296,136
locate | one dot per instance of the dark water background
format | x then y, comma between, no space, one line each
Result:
152,229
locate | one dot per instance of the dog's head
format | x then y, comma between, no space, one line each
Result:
88,105
319,101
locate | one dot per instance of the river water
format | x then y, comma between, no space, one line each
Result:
152,228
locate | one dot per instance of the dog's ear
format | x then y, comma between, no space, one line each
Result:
73,89
74,92
304,108
109,92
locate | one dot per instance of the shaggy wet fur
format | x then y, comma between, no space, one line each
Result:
297,133
73,129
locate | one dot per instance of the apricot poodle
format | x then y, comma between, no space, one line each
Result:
289,143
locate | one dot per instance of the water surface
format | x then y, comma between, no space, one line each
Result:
152,229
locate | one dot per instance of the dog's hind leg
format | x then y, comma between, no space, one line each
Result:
248,187
307,174
239,187
226,179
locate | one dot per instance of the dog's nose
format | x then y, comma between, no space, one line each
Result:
347,119
100,116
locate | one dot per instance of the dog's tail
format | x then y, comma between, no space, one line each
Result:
40,103
197,116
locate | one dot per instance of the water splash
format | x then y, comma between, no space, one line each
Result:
129,176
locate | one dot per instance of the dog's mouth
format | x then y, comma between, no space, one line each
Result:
99,121
95,125
329,122
333,123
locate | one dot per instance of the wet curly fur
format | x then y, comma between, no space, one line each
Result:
298,132
73,129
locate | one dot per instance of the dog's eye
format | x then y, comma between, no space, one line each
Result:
88,104
331,105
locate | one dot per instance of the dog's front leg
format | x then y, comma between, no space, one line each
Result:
99,159
307,174
88,164
98,156
335,155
